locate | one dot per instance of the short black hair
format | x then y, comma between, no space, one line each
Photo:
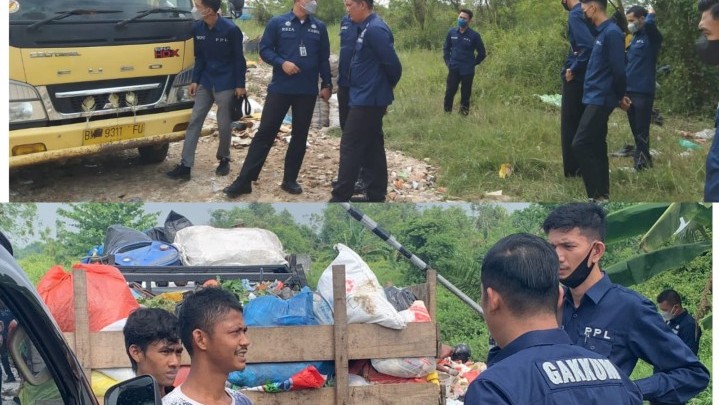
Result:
588,217
146,326
213,4
601,3
638,11
671,296
468,12
524,269
202,309
712,5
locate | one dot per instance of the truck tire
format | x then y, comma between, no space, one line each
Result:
153,153
180,283
162,283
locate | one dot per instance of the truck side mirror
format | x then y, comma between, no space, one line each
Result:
140,390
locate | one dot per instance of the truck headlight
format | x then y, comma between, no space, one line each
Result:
180,89
25,103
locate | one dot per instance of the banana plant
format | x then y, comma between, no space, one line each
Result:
672,235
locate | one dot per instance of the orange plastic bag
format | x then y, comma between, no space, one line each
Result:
108,297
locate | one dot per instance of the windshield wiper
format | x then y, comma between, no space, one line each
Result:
64,14
143,14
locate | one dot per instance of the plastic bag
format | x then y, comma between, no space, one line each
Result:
108,297
208,246
269,310
173,223
101,383
266,373
366,301
400,299
322,310
417,312
408,367
307,378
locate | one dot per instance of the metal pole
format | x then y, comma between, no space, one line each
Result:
416,261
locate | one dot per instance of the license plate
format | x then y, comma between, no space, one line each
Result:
93,136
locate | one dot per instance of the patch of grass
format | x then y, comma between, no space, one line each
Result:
507,124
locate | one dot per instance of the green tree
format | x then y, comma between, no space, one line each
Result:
18,220
82,226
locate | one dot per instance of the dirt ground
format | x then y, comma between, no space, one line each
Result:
121,177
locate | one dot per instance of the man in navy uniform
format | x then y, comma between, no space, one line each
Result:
218,76
612,320
708,50
679,320
642,57
374,71
459,55
581,41
538,364
297,46
604,87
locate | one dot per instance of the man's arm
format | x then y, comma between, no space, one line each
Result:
382,44
325,71
447,49
678,376
238,58
650,26
615,51
585,42
479,47
268,53
199,59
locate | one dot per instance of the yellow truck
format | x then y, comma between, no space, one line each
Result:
91,76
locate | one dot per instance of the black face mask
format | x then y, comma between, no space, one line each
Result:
580,273
708,50
565,5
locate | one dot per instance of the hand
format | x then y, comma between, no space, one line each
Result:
569,75
625,103
193,89
326,93
240,91
290,68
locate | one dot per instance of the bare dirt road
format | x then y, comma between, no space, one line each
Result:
121,177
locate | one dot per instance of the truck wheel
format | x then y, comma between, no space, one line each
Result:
153,153
162,283
180,283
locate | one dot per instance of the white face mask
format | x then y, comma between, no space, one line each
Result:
633,28
197,14
666,315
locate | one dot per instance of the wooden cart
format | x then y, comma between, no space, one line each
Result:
339,342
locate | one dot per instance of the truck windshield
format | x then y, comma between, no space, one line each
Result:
66,12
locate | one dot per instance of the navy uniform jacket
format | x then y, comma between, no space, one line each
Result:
581,41
642,58
543,367
375,68
620,324
685,326
281,41
459,50
219,61
606,81
349,32
711,186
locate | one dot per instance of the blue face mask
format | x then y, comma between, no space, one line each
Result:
461,23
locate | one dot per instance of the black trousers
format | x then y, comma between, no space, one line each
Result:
590,150
572,110
362,146
274,111
343,101
453,81
640,117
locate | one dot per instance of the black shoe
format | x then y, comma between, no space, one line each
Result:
291,187
180,172
464,111
223,169
360,198
237,188
360,186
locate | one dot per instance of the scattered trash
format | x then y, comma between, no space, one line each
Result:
700,136
625,151
687,144
552,99
497,193
505,170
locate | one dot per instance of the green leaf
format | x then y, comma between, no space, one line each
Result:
642,267
668,224
706,322
633,221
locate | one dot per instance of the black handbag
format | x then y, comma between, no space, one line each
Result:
240,108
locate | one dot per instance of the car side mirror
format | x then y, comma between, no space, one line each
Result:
140,390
